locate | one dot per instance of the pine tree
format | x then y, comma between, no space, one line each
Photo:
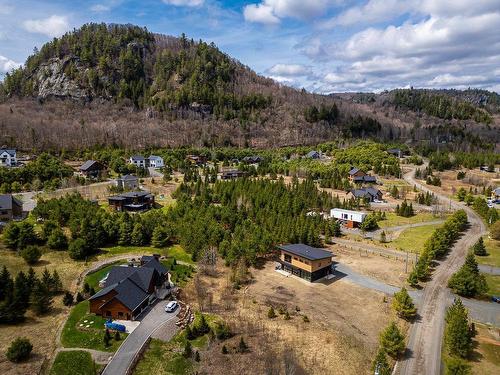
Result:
403,305
392,340
242,346
188,349
5,283
271,314
224,349
137,237
56,285
468,281
67,299
41,298
458,333
479,248
380,364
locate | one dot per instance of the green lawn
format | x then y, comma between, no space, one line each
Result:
177,252
163,359
393,220
93,278
76,336
493,249
493,284
413,239
76,362
166,358
107,252
179,273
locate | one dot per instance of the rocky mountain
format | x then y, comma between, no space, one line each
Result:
123,85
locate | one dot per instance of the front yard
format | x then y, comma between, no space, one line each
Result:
84,330
76,362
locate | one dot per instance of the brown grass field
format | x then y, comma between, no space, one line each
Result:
341,337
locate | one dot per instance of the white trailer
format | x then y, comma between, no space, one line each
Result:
352,218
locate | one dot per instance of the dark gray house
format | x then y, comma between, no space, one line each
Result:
10,207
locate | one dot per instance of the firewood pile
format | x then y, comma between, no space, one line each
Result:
186,316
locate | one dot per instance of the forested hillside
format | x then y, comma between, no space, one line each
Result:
123,85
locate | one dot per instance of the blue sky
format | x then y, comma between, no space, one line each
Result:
321,45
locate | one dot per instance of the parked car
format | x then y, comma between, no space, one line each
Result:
495,299
377,201
171,306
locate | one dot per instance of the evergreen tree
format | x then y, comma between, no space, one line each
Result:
67,299
468,281
224,349
380,364
160,237
137,237
456,366
31,254
271,314
57,240
242,346
479,248
5,283
188,349
457,337
403,305
41,298
392,340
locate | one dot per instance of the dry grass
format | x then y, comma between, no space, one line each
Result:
341,337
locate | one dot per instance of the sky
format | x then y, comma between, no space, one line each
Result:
321,45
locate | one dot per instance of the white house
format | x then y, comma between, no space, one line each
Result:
8,157
351,218
156,161
138,161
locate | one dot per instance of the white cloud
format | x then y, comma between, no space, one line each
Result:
188,3
52,26
281,79
372,11
271,11
260,13
289,70
6,65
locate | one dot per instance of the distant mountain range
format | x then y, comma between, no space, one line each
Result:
123,85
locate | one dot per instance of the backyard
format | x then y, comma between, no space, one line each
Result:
413,239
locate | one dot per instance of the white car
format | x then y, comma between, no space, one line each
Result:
377,201
171,306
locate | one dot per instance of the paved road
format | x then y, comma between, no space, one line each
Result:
425,336
495,271
153,320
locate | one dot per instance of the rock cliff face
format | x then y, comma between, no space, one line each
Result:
52,79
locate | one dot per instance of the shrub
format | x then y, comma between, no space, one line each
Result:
188,350
456,366
31,254
117,336
67,299
305,319
380,364
57,240
19,350
403,305
197,356
271,314
224,349
392,340
78,249
495,231
287,315
222,331
79,297
242,346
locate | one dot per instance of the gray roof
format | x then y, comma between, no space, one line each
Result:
128,177
305,251
155,265
137,157
354,170
155,157
10,151
130,294
8,200
369,191
312,154
88,164
141,276
365,178
133,194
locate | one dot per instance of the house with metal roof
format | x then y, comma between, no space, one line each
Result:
368,193
307,262
313,155
138,160
92,169
8,157
155,161
127,182
128,290
10,207
132,201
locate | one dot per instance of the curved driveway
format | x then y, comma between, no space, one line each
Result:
153,319
425,337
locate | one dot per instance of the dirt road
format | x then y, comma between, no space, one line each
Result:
425,337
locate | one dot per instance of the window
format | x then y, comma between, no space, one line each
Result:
120,314
288,258
295,258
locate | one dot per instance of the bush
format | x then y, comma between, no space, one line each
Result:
305,319
271,314
117,336
31,254
79,297
380,364
222,331
19,350
57,240
495,231
78,249
392,341
224,349
188,350
403,305
456,366
67,299
242,346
